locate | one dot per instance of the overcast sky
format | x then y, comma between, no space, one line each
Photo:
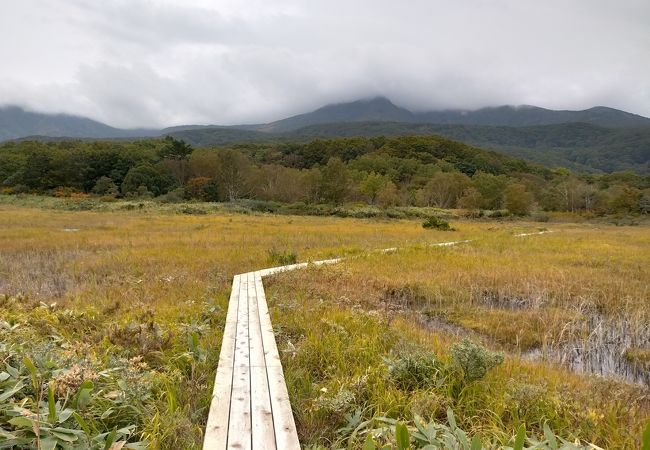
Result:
166,62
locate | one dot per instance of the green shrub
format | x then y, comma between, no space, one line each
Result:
437,223
281,257
262,206
473,359
541,216
79,205
496,214
191,210
413,371
174,196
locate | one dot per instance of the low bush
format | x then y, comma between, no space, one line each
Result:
281,257
434,222
193,210
473,359
412,371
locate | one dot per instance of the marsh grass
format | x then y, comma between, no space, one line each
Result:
140,293
353,353
150,285
521,296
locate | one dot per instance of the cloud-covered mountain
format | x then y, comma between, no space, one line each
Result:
381,109
16,122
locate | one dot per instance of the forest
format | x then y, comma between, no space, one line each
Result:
381,171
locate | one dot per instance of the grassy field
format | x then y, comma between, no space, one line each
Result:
120,315
533,298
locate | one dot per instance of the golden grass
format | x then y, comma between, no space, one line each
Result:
156,266
511,293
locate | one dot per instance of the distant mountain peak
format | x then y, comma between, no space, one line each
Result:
370,102
379,109
379,99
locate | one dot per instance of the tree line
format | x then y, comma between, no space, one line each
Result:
397,171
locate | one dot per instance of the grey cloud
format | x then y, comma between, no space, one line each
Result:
164,62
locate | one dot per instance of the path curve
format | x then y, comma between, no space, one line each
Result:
250,406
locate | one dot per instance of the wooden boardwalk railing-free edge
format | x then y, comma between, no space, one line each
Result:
250,406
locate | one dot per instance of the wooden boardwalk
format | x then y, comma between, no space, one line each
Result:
250,406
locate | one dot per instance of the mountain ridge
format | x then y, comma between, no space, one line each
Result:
383,110
598,139
16,122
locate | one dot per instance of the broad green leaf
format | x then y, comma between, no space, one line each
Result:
88,384
12,371
387,420
4,376
48,443
83,395
7,435
520,438
402,437
65,415
30,366
110,439
51,405
451,419
11,392
64,434
21,422
419,424
126,430
476,442
369,444
137,446
82,423
462,438
361,426
83,398
550,437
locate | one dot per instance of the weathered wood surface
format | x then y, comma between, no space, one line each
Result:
250,406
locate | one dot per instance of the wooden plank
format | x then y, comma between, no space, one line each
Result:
263,434
280,269
216,430
239,427
286,436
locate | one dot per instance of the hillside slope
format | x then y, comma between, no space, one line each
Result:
577,146
16,122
